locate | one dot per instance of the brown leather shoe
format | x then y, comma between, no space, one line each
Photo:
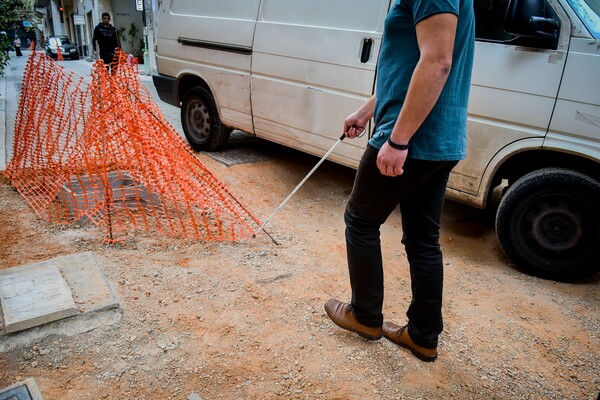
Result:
341,314
399,335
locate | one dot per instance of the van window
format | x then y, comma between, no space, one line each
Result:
337,14
489,20
231,9
589,12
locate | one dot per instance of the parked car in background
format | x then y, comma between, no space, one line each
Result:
67,49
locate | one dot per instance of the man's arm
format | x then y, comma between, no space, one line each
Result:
435,37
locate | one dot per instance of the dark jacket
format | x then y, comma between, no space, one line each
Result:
106,37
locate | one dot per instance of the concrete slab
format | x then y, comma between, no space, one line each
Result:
25,390
91,292
33,295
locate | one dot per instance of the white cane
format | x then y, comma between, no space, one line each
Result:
299,185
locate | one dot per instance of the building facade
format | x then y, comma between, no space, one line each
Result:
134,20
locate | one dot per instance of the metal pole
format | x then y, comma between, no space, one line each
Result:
300,184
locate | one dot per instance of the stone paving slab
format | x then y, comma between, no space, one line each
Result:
33,295
88,287
91,290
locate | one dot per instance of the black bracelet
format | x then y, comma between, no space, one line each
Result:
396,145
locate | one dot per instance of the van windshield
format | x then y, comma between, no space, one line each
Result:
589,12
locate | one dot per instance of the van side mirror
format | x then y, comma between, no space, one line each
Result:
531,18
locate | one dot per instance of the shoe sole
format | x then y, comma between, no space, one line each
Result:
364,335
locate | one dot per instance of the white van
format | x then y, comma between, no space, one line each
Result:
291,71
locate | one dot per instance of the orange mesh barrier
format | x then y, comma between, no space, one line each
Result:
103,151
59,56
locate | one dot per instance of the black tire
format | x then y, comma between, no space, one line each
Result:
548,222
201,123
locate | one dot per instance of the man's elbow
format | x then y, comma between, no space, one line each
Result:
444,65
438,64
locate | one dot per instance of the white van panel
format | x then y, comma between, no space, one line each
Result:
224,21
308,74
188,29
497,135
454,192
498,104
314,74
576,121
349,15
226,9
513,93
231,87
297,129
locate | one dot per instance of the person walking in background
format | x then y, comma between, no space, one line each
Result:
105,39
17,44
420,127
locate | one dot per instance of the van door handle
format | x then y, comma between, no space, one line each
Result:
365,54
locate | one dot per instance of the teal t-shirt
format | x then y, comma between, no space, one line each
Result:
443,134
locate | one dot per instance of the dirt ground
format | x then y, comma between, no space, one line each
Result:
246,320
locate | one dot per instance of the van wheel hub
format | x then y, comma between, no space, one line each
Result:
199,120
554,227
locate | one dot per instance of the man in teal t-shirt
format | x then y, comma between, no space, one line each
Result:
420,117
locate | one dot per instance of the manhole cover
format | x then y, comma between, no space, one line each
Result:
25,390
18,393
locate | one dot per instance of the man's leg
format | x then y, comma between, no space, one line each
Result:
421,215
374,197
370,203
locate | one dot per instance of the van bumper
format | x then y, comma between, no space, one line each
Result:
167,88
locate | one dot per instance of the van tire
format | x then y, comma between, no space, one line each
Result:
548,222
201,123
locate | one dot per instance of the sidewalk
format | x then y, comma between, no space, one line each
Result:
10,85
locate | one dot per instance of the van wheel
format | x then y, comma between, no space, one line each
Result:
201,123
548,222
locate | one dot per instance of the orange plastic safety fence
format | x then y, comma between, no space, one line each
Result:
59,56
103,151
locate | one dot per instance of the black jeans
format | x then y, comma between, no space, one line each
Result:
108,57
420,193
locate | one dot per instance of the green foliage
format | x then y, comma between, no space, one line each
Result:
12,11
4,56
121,33
132,33
130,36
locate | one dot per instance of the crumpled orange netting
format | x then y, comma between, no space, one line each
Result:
103,151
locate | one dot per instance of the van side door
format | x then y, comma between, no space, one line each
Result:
313,64
211,42
513,93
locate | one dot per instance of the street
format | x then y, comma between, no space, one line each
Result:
245,320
